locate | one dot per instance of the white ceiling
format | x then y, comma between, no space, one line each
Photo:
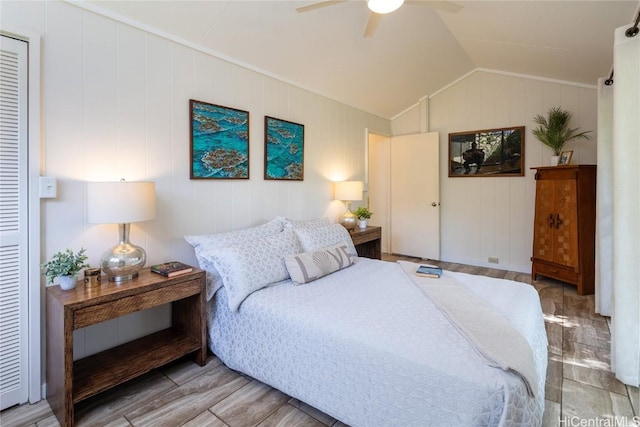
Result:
415,51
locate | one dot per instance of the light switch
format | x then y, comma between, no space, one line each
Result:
48,187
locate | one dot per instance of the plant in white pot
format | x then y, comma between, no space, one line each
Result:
554,131
66,266
363,214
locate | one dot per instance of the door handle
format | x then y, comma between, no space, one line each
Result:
551,220
558,221
434,204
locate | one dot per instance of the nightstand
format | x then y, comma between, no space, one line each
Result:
69,381
368,241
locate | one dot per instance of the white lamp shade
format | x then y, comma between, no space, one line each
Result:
121,202
348,190
384,6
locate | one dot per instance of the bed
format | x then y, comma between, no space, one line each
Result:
366,343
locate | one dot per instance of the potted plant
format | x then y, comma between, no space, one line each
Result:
554,131
363,214
65,265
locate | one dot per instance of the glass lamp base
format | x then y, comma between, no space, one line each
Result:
122,262
348,220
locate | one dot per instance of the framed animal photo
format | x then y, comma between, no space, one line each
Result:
219,141
283,150
489,152
565,157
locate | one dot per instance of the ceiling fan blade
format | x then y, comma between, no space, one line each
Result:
372,24
319,5
445,6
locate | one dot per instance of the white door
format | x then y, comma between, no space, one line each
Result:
13,223
415,198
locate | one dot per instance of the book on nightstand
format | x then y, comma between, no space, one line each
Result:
170,269
432,271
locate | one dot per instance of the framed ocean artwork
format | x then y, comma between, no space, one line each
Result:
283,150
219,141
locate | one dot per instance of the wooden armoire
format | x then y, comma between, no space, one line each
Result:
565,225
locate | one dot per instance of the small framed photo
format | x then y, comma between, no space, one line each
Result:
565,157
284,150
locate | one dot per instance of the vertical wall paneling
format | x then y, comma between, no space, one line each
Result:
487,217
116,101
158,137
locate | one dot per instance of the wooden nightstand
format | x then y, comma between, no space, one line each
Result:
368,241
69,381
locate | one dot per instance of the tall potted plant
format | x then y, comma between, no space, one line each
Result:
66,266
554,131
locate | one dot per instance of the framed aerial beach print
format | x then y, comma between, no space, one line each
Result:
490,152
219,141
283,150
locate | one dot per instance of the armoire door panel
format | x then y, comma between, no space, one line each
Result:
544,219
566,230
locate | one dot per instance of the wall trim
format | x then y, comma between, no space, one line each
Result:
492,71
510,74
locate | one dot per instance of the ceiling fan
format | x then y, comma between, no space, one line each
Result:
380,7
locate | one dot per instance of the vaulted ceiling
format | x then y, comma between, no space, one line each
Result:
414,52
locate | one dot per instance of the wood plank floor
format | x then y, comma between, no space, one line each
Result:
580,390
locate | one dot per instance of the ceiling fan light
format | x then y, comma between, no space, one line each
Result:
384,6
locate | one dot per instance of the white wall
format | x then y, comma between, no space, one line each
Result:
493,217
116,105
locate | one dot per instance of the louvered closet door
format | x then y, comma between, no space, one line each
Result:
13,223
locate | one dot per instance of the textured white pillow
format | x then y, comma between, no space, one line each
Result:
206,242
309,266
246,269
237,237
321,237
306,223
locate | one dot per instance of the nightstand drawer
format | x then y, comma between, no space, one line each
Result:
366,235
367,241
99,313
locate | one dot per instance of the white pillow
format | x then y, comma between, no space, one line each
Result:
237,237
321,237
246,269
309,266
206,242
306,223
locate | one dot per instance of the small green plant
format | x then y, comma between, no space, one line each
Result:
363,213
65,264
554,131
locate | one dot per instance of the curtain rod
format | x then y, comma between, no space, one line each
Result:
631,32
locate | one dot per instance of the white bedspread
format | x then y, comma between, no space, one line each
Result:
501,345
366,346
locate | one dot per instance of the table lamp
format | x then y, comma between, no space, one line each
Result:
348,191
121,203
